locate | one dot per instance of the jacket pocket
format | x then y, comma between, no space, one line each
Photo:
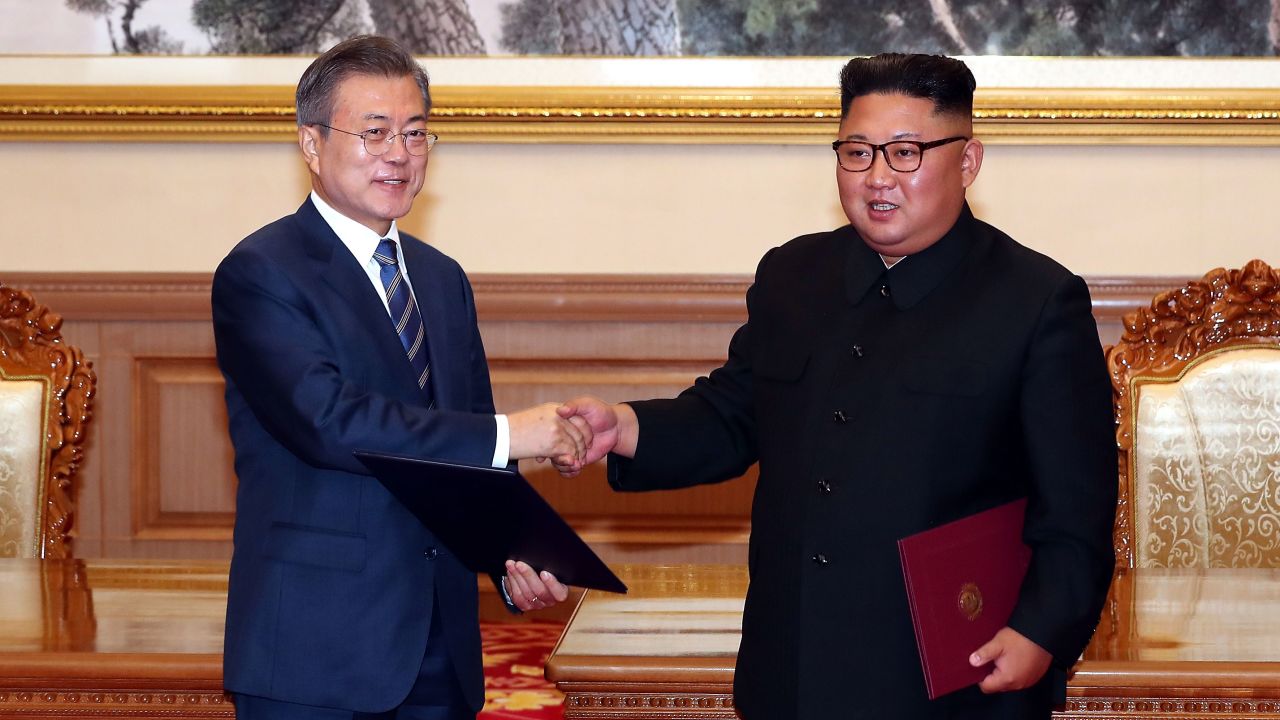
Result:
944,376
781,363
315,547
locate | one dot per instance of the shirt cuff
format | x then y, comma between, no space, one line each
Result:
505,594
502,448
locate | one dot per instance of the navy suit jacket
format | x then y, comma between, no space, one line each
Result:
333,583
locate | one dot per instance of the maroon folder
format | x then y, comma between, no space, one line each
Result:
962,582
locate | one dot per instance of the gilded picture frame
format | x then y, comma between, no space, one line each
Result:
1021,100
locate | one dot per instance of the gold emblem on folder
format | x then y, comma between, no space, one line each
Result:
970,601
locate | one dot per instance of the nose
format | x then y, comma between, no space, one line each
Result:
398,150
880,174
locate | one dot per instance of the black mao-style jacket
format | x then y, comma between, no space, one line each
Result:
880,403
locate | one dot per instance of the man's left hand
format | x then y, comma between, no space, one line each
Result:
531,590
1019,662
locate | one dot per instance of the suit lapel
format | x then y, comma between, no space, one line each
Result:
344,277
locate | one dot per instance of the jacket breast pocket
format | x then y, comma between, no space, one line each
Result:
782,362
315,547
944,376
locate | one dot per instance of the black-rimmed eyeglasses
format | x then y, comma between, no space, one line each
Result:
902,155
377,141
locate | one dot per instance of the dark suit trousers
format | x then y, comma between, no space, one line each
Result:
434,696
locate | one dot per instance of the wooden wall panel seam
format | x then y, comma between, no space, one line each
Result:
500,297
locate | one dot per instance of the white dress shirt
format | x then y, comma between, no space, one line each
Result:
362,242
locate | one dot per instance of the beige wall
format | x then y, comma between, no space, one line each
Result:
1113,210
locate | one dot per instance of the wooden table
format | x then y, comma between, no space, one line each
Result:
1183,644
1172,644
96,638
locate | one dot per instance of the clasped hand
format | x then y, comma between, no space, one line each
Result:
613,428
540,432
575,434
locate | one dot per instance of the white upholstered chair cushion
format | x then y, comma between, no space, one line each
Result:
1206,464
22,465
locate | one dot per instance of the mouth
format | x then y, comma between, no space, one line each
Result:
883,206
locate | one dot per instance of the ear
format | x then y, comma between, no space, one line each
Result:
309,141
971,161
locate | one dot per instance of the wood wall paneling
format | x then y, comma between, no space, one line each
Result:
183,485
158,479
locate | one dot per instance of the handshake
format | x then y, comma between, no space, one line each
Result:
574,434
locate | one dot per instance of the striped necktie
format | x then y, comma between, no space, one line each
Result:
404,311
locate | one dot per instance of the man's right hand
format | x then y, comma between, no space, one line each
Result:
614,428
541,432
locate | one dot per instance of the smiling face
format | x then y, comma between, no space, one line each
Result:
371,190
902,213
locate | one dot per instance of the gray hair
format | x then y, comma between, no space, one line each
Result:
360,55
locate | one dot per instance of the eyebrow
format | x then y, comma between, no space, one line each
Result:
384,118
898,136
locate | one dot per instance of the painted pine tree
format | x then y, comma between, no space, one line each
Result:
592,27
428,27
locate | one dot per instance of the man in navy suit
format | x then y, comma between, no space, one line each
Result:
336,331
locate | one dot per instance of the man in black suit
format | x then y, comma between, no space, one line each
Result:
335,332
906,370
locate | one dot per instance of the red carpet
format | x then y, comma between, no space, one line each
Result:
514,655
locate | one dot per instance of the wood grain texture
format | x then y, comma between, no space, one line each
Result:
157,480
139,639
112,639
653,654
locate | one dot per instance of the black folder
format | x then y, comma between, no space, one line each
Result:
485,515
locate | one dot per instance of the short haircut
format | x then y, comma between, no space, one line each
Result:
945,81
361,55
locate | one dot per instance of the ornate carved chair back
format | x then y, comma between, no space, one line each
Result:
1196,384
46,387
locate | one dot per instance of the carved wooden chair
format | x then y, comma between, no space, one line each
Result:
45,391
1196,384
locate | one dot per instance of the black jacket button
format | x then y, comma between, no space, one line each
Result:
431,553
819,559
839,416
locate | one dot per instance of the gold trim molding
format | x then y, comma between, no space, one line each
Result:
1066,116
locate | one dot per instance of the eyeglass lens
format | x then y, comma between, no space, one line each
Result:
378,141
859,156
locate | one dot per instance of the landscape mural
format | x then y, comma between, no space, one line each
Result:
1191,28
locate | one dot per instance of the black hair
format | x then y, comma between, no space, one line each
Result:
945,81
